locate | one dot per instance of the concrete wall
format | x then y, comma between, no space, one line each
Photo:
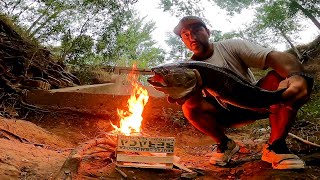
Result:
102,99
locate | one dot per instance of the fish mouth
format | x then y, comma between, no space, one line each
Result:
157,80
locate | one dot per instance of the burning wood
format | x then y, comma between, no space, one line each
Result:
145,152
134,150
130,121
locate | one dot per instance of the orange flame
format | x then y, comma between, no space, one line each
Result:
130,121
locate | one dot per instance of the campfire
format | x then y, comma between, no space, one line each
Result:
130,146
130,121
133,149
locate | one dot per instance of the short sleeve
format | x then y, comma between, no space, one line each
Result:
251,54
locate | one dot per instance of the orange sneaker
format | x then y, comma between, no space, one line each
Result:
281,160
223,153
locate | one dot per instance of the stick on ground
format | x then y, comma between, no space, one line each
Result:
303,140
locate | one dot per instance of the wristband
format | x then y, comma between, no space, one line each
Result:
308,77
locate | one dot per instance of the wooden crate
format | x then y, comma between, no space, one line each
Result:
145,152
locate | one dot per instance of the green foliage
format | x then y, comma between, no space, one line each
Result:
219,35
273,19
87,32
81,53
235,6
178,51
312,108
180,8
312,6
133,44
92,74
20,32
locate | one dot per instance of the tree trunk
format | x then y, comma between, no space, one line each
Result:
300,57
67,50
36,21
14,7
307,13
44,23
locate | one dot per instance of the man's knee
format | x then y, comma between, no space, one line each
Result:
191,113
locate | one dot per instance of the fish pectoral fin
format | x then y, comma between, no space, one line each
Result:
222,103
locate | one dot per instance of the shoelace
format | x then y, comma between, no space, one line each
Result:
214,146
218,147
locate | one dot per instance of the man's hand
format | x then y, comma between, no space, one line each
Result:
298,87
196,91
297,90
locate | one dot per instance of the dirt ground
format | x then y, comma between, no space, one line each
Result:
37,149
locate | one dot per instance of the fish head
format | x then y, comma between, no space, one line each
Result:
173,80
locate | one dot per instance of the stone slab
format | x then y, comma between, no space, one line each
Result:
101,99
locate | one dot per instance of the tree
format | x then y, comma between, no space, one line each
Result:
217,35
85,31
41,19
310,9
274,20
178,51
181,8
135,44
50,19
235,6
132,43
273,17
78,50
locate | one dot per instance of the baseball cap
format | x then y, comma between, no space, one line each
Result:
186,21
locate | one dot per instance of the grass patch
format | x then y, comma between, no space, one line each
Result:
258,73
311,110
91,74
18,32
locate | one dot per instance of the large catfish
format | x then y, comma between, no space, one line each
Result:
178,79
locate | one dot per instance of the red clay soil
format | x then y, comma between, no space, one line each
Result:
37,149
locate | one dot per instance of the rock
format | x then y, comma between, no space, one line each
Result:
189,175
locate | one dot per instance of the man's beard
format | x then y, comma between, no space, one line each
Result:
201,47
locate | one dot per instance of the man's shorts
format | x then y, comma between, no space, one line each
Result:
233,115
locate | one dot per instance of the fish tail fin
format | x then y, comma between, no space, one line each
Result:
278,95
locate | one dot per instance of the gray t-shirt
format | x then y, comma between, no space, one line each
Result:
238,55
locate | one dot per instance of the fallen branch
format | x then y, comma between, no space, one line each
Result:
9,135
121,172
70,167
180,166
198,170
303,140
33,107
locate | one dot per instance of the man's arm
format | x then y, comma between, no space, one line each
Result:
285,64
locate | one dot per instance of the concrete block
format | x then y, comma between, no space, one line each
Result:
101,99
